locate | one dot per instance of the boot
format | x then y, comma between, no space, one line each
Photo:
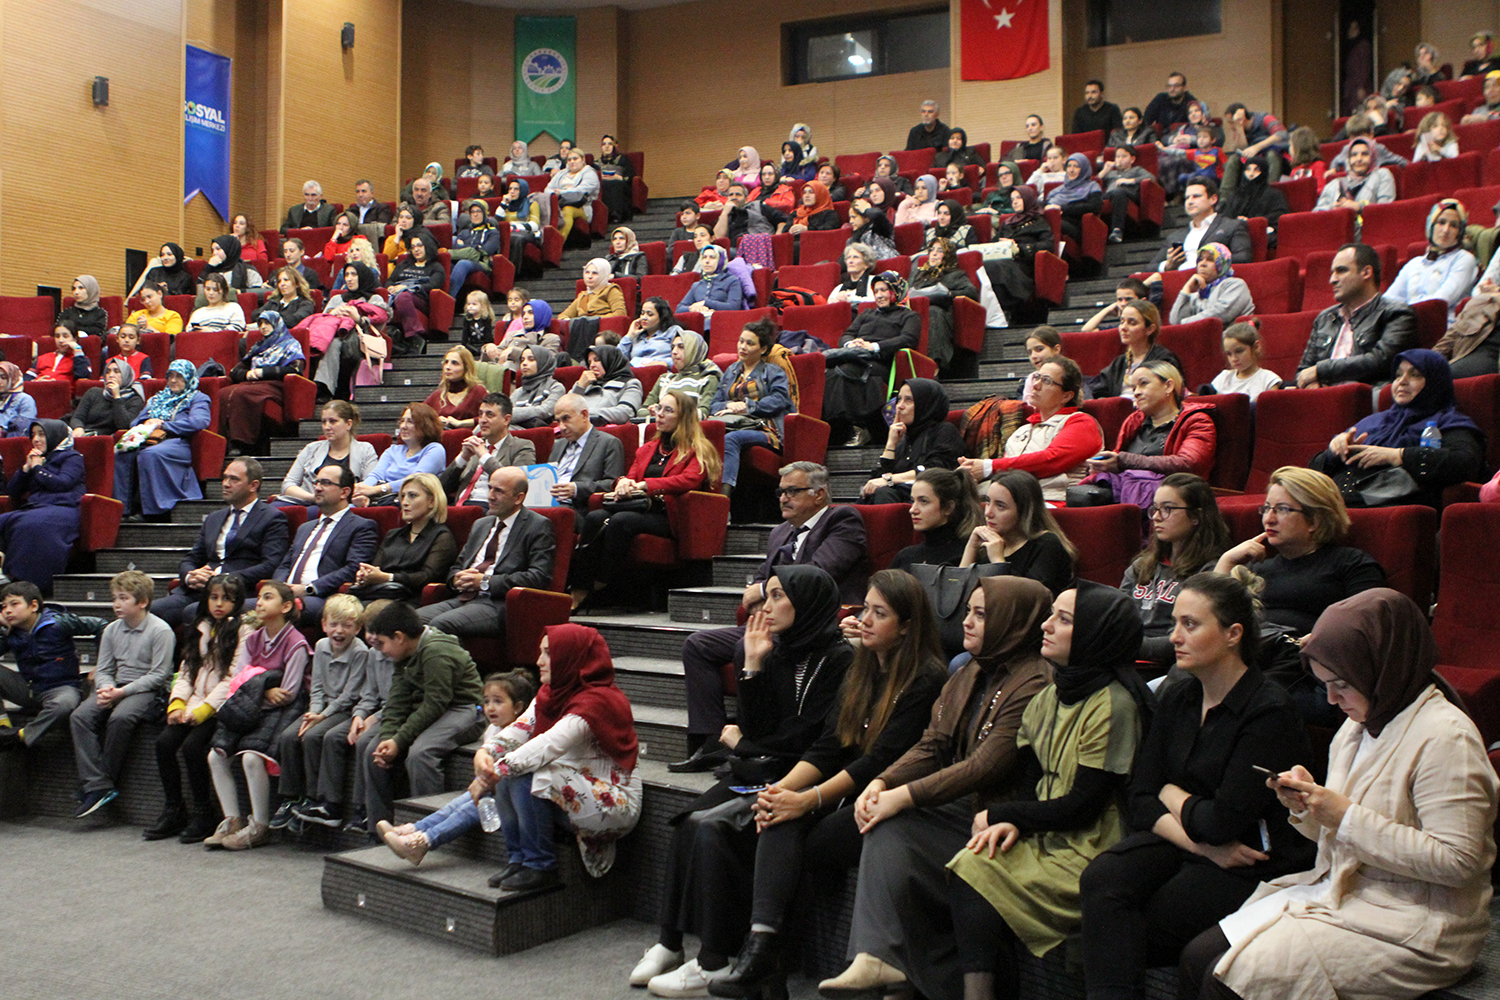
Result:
172,821
758,970
866,976
203,823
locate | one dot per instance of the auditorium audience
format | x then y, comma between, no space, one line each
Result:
340,419
576,188
940,280
257,382
857,389
1022,233
167,270
1205,225
111,407
292,299
458,395
221,310
1242,354
753,398
476,241
859,271
313,213
1365,183
1165,434
38,531
153,315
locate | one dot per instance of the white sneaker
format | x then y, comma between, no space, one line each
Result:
687,980
657,959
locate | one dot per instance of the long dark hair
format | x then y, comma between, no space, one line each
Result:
956,488
1209,540
870,691
223,633
1033,516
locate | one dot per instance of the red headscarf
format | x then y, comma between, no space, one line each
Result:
821,201
583,684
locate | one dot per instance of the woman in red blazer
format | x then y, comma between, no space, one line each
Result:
679,460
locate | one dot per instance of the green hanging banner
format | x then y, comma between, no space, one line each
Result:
545,77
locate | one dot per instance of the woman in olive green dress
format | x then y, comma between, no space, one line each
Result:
1018,876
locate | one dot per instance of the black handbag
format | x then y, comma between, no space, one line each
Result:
949,589
1090,495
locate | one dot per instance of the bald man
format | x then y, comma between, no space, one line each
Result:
588,459
512,547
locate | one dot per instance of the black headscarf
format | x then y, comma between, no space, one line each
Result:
546,364
369,281
1249,194
616,364
931,413
815,598
231,248
957,219
1106,640
57,434
176,268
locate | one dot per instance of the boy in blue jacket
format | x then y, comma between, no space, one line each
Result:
46,680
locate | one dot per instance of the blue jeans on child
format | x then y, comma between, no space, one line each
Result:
526,822
734,442
457,817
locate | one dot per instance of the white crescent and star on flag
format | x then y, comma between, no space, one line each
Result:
1002,19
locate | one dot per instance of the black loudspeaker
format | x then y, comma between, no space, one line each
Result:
346,37
101,91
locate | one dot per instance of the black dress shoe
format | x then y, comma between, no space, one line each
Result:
204,823
514,868
757,971
531,880
707,757
172,821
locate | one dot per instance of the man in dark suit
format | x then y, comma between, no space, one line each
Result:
512,547
366,209
329,548
1200,199
247,538
313,213
466,480
813,533
588,460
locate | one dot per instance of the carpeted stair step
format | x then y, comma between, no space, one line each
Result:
736,571
166,536
154,560
88,588
748,539
704,605
642,634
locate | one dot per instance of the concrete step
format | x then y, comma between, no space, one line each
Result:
651,680
705,605
74,589
735,571
157,560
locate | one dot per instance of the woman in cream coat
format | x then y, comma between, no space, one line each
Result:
1398,903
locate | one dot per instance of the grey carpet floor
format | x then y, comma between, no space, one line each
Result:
92,911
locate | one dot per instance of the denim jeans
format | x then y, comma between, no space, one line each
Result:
455,818
734,442
526,822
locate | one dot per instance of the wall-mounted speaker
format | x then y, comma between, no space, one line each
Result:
101,91
346,37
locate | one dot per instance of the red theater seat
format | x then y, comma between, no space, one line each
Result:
1464,622
1108,539
1293,425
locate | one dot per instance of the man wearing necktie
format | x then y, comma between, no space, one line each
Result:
512,547
466,480
247,538
588,460
813,533
328,549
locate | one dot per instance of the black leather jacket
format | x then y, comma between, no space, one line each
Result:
1383,328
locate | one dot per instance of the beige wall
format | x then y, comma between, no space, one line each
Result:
1449,23
458,87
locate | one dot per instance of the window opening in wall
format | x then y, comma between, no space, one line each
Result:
1119,22
868,45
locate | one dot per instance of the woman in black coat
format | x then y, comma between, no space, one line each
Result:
920,438
1030,233
941,280
859,379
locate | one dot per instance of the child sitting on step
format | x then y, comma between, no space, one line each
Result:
364,728
506,696
313,749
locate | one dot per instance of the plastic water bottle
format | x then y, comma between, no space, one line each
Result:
489,814
1431,436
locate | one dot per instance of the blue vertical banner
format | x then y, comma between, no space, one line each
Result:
205,115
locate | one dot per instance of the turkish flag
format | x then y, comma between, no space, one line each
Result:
1003,39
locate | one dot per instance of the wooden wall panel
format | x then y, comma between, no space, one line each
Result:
50,130
1448,24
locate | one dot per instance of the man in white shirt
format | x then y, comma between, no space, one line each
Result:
512,547
328,549
587,463
366,209
466,480
1200,199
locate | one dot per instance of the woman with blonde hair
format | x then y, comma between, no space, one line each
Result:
456,400
420,552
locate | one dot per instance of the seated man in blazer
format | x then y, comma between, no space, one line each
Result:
247,538
588,460
329,548
512,547
313,213
1200,199
466,480
813,533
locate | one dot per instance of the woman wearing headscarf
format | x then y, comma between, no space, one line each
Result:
791,166
887,169
17,408
626,258
957,151
534,327
1079,195
347,314
151,477
257,382
1007,177
922,205
1397,901
1446,271
168,271
536,397
1018,875
949,222
716,195
37,534
413,277
858,384
745,169
434,174
608,386
110,407
224,258
1382,460
940,280
1029,233
524,213
801,134
1213,290
600,297
795,660
718,289
691,373
919,812
1366,183
772,189
816,210
872,226
1255,198
85,312
475,242
571,756
520,161
920,438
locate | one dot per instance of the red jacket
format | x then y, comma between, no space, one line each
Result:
677,476
1189,446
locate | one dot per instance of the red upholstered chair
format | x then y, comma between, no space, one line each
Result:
1082,142
98,453
208,455
1232,450
1293,425
1275,285
1108,539
1464,622
1442,177
1258,239
199,346
1432,321
1476,136
453,440
461,520
1110,412
1480,202
541,439
1283,338
53,399
690,321
913,159
826,322
99,519
1404,541
888,530
760,279
1302,233
1301,194
1397,223
983,228
672,287
656,256
387,519
313,240
909,238
156,346
857,163
1200,346
724,335
818,278
819,245
1092,350
26,315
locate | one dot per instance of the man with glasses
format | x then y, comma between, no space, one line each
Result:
812,533
328,548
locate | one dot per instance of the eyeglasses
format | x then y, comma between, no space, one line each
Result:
1281,509
324,482
792,491
1040,379
1162,511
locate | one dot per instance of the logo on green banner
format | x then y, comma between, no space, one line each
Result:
545,81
